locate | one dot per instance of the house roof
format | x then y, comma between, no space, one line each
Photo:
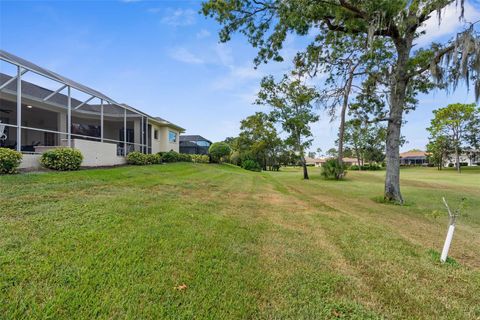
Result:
346,159
193,138
413,154
50,74
39,93
168,123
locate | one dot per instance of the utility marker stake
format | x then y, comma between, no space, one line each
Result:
451,228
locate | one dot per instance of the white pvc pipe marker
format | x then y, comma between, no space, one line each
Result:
448,241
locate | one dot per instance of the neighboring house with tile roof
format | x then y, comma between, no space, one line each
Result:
414,158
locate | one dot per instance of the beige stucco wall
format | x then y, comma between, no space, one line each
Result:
30,161
161,144
95,154
98,153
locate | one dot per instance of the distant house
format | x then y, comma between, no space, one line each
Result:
414,158
194,144
468,157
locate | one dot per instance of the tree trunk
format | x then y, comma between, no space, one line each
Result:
305,171
457,159
398,88
341,133
358,158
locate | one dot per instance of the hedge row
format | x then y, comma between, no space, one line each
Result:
138,158
68,159
366,167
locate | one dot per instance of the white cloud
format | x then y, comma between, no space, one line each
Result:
179,17
184,55
202,34
450,24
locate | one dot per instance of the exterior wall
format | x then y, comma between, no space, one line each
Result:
97,154
161,144
471,161
30,161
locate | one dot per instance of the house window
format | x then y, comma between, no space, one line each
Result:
172,136
155,134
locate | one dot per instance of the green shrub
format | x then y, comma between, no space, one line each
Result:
153,158
9,161
184,157
218,151
170,156
251,165
366,167
62,159
200,158
331,169
136,158
373,167
140,159
235,158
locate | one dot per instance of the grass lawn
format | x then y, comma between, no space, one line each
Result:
121,243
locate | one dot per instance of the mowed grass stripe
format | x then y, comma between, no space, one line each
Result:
113,243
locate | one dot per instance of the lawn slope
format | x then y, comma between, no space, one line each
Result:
123,242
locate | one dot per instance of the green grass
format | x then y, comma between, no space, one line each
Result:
115,244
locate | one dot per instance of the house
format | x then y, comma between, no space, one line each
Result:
194,144
34,119
347,161
468,157
414,158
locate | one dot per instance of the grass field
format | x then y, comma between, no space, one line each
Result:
121,243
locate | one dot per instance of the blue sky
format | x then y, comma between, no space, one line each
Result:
165,59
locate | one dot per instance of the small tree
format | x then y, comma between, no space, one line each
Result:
218,151
451,122
259,138
439,148
292,103
366,140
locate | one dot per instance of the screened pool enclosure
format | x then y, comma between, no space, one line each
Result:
40,110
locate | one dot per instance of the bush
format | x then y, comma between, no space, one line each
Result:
251,165
9,161
366,167
200,158
139,159
184,157
62,159
218,151
170,156
235,158
136,158
372,167
153,158
331,169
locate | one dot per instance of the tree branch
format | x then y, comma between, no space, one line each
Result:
435,60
